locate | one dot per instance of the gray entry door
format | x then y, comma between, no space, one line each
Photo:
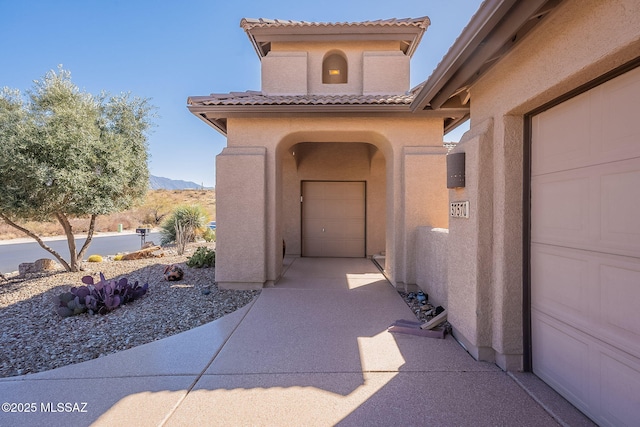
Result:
333,219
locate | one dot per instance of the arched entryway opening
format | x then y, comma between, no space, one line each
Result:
347,181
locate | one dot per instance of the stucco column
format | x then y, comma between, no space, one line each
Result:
241,218
507,246
470,247
425,199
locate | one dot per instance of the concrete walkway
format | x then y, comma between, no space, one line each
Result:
313,350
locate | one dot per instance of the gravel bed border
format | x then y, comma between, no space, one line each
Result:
34,338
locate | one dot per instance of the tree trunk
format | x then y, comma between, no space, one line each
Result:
43,245
92,226
75,257
71,241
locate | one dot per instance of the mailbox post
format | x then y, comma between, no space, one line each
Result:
143,235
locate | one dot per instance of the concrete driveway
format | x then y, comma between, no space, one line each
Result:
313,350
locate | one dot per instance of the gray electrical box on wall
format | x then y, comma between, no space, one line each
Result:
455,170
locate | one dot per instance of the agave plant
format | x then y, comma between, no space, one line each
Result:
100,297
191,220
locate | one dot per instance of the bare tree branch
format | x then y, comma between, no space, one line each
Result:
38,239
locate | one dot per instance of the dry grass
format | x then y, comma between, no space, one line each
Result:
157,205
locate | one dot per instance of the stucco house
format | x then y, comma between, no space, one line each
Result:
536,256
328,157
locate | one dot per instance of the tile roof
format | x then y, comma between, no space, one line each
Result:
250,23
258,98
262,32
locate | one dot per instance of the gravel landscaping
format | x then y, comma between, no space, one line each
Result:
35,338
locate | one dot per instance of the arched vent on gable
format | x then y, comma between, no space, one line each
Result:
334,68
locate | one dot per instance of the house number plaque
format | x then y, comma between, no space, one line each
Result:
459,209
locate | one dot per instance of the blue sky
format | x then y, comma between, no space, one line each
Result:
169,50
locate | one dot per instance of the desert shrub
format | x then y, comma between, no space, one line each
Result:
202,257
99,298
189,220
209,235
95,258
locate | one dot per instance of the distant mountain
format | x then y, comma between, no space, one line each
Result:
160,183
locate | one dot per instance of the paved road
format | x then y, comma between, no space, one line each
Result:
11,255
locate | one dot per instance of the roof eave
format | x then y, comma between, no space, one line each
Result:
261,36
492,32
297,108
216,115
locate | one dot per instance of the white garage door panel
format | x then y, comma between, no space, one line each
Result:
585,250
562,358
563,278
596,378
592,208
598,126
595,293
561,210
620,401
568,126
620,206
619,286
620,123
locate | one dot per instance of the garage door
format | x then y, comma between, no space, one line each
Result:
585,250
333,219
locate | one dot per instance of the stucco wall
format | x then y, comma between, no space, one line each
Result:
381,140
380,64
425,199
578,42
431,268
385,72
284,73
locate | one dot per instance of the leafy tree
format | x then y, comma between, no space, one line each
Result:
65,154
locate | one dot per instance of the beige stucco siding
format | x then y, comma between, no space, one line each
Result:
470,246
578,42
371,149
242,264
290,65
284,73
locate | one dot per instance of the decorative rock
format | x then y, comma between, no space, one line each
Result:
46,264
25,268
173,273
148,244
41,265
142,253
